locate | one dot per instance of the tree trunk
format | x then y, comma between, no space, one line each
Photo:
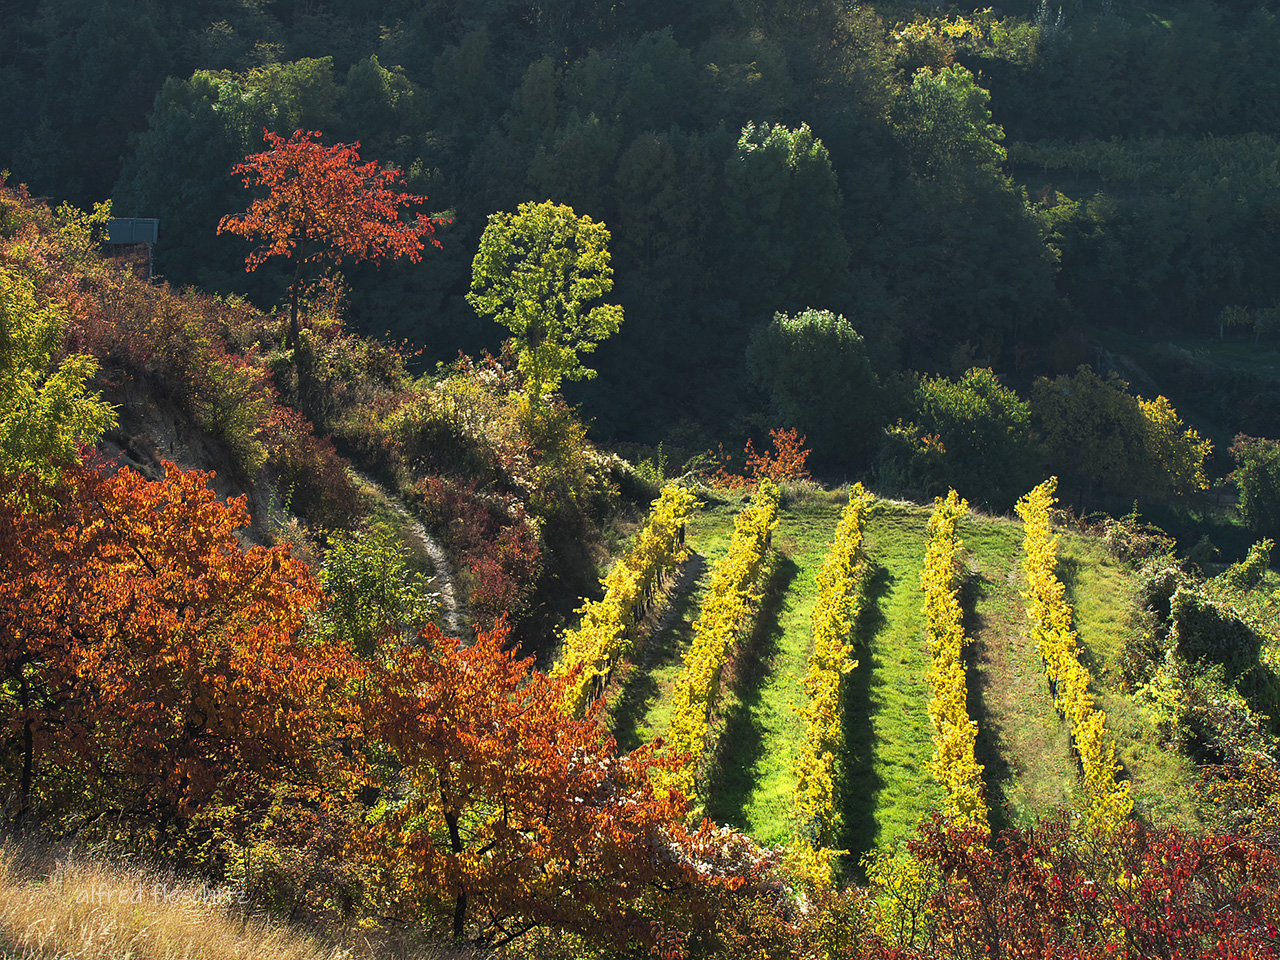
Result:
455,844
28,750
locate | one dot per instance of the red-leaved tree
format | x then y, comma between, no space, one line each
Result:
148,660
511,815
322,203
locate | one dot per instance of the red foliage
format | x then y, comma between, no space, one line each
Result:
494,538
310,474
787,461
324,204
146,654
1144,893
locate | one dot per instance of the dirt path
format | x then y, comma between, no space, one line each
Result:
423,545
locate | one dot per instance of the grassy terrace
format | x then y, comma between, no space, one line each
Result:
883,782
1022,742
888,734
752,782
639,707
1161,780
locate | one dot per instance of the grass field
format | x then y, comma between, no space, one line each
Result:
752,781
883,783
1161,780
1022,742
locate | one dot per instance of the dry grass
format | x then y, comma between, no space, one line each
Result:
68,907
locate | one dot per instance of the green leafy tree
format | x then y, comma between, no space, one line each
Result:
944,123
984,429
372,589
536,273
1105,438
46,408
782,202
1257,477
815,369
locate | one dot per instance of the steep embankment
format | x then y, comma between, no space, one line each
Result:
424,549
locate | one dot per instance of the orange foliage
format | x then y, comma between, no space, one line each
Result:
786,462
518,816
323,204
149,656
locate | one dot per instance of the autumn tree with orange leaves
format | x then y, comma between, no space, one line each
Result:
148,661
513,816
323,204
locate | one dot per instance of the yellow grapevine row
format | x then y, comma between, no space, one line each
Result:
725,611
1108,802
954,765
834,613
606,629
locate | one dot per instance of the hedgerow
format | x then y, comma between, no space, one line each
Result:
725,612
834,614
607,627
1108,803
954,765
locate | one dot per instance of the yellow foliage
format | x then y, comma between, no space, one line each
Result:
1108,803
725,611
902,888
606,628
834,612
954,765
1179,453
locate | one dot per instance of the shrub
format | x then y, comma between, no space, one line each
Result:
815,369
495,539
1257,477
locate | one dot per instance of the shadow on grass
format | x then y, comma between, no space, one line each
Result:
995,768
732,773
1068,571
857,783
638,685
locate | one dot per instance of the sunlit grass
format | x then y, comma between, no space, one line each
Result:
1023,744
755,786
883,784
92,910
1100,590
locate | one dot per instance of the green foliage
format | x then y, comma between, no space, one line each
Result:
782,203
945,126
535,273
372,590
815,368
1257,477
46,409
1102,437
1247,573
983,429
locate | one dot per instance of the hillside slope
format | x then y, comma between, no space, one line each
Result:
1030,769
